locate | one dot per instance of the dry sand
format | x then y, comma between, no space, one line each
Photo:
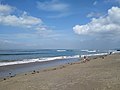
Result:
97,74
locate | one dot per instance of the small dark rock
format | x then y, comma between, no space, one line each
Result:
63,66
102,57
4,79
37,71
34,71
11,76
54,68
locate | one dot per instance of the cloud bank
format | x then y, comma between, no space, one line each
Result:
104,25
7,17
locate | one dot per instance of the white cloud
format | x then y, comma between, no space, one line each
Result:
108,25
94,14
24,20
6,9
53,5
7,17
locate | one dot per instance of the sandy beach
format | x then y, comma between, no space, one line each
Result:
96,74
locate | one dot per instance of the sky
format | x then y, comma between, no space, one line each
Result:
59,24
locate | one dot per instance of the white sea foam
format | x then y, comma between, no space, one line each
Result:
92,51
98,54
84,50
88,50
116,52
61,50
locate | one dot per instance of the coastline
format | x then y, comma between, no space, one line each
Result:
28,67
20,68
97,74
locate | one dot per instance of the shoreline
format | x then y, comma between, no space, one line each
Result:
97,74
8,71
28,67
49,65
47,59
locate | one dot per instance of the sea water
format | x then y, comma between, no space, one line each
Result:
21,61
11,57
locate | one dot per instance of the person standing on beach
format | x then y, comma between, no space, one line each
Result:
85,58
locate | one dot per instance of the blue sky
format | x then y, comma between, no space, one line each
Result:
51,24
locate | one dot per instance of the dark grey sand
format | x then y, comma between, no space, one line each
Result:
21,68
96,74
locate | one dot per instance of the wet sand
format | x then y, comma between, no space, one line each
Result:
97,74
27,67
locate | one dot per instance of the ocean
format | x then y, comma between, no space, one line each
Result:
21,61
9,57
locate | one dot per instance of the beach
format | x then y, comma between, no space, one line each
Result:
100,73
